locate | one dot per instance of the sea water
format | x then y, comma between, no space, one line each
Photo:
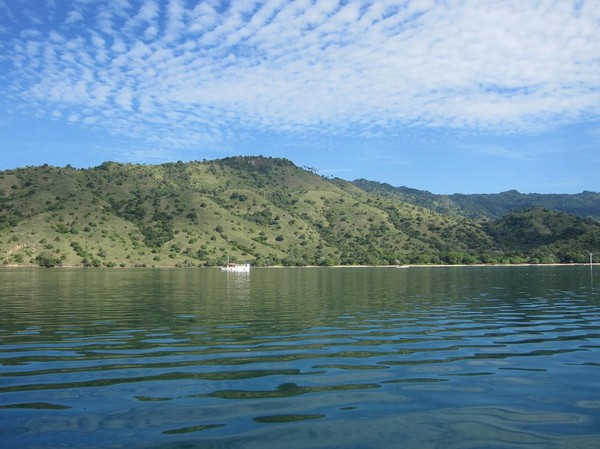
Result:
474,357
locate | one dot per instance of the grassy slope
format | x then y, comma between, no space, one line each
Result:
263,210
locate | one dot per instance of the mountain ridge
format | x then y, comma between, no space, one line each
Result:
491,205
263,210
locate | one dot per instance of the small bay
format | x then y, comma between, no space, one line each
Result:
424,357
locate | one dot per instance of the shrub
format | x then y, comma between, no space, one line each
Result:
47,260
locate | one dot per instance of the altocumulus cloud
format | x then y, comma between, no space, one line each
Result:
183,73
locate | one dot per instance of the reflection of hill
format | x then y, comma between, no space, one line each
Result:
138,352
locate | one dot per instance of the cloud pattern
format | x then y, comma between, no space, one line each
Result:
183,73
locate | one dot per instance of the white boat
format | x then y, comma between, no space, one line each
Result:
237,268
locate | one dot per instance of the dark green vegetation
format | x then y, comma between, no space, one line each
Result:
492,206
270,212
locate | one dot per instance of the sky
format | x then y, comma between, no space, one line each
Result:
449,96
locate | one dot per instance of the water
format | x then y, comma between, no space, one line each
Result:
300,358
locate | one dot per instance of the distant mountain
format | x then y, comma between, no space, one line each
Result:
492,206
266,211
585,204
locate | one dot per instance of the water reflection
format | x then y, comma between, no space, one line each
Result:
238,285
366,358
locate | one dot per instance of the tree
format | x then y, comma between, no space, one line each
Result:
47,260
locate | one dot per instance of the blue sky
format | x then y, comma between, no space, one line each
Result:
466,96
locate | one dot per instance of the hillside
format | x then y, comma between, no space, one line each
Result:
263,210
547,236
490,206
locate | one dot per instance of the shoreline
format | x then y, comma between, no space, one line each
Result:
73,267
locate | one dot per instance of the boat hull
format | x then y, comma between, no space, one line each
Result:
237,268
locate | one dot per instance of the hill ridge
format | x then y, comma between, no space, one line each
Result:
264,210
490,205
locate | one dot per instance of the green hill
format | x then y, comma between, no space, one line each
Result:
263,210
547,236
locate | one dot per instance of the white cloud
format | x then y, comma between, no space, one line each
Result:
356,67
124,98
148,11
508,153
175,23
6,11
118,46
73,16
202,18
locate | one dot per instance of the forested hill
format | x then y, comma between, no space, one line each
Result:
494,206
263,210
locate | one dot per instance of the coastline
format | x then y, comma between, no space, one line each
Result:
164,267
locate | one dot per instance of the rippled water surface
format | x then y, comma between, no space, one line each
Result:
300,358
